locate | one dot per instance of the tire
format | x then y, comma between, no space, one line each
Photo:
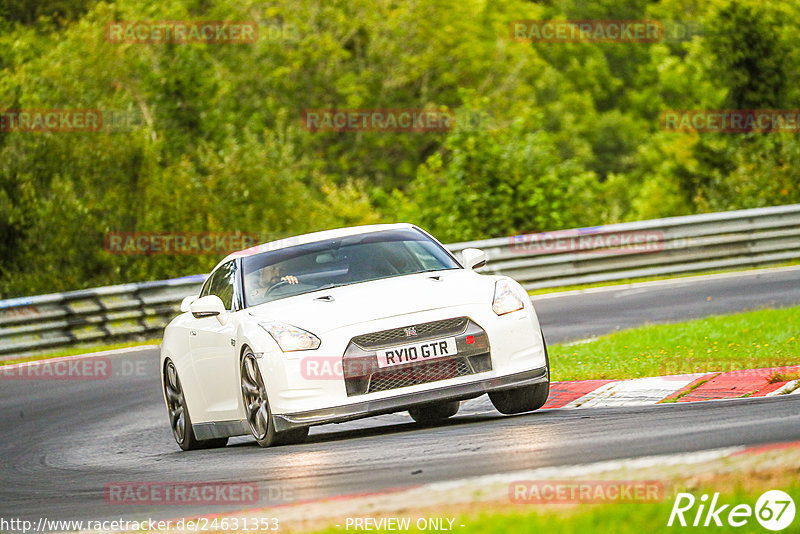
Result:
520,400
432,413
256,405
179,420
524,399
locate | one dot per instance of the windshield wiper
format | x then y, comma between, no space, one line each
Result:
331,285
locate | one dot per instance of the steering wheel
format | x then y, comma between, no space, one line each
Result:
279,285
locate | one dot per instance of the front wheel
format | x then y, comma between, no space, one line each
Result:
434,412
179,419
259,415
524,399
519,400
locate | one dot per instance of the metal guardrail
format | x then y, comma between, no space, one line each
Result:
104,314
674,245
586,255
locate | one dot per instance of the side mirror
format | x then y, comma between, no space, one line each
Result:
474,258
209,306
186,302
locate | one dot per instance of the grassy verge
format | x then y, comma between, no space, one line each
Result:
749,340
654,278
72,351
784,377
620,517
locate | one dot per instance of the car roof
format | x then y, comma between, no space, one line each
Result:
312,238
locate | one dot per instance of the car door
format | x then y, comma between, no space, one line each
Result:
214,348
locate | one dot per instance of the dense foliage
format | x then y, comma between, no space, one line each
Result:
547,136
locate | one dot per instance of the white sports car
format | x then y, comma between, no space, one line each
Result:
343,324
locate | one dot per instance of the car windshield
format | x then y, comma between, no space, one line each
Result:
325,264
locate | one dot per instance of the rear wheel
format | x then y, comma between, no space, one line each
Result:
434,412
524,399
179,419
259,415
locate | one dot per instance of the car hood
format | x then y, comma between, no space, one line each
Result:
329,309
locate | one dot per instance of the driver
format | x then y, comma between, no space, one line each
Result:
268,277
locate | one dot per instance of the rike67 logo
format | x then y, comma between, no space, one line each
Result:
774,510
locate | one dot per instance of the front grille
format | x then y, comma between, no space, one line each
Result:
444,328
362,375
418,374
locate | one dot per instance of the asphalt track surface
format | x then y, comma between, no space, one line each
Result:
64,441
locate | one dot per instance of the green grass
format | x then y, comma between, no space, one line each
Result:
57,353
622,518
749,340
619,518
624,281
784,377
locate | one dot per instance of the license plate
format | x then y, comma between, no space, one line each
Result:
417,352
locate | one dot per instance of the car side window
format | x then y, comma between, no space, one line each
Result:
206,289
221,284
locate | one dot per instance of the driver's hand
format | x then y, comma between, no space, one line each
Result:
290,279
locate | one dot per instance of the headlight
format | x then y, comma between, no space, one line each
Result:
505,298
290,338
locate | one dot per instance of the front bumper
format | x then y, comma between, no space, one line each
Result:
318,380
349,412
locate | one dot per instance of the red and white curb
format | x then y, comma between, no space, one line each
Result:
634,392
788,388
677,388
